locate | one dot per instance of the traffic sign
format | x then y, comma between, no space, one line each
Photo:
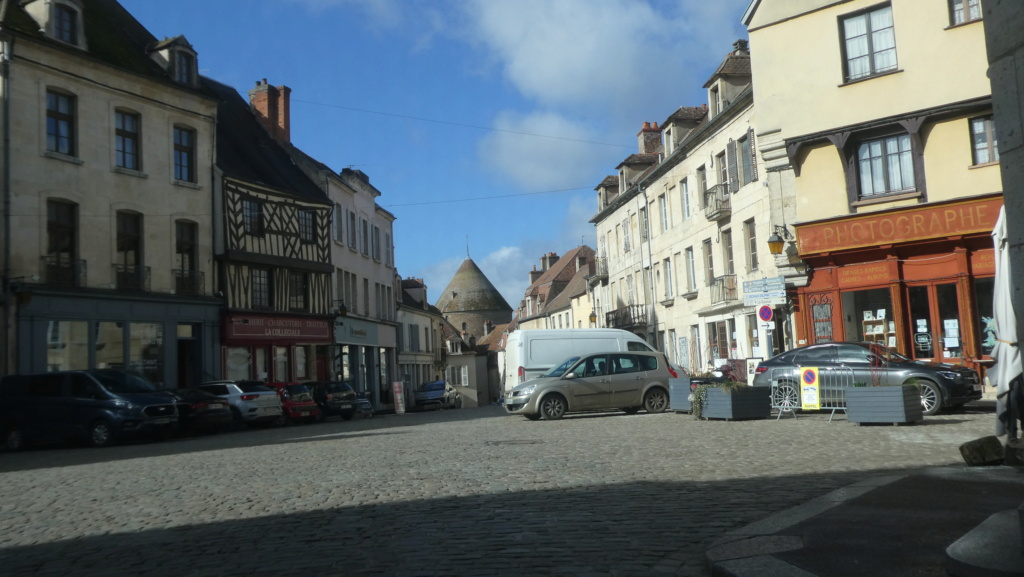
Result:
765,313
753,299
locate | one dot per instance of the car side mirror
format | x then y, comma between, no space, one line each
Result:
570,375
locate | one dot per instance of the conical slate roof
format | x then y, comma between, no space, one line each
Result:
469,291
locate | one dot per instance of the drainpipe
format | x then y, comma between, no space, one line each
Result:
5,71
652,316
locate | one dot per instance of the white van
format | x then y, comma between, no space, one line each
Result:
530,353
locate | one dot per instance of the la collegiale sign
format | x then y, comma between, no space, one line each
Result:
900,225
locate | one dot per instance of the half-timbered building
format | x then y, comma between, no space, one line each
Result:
272,253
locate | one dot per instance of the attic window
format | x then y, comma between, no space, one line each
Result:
184,67
65,24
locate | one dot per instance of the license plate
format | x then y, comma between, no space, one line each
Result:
344,406
977,387
269,409
161,420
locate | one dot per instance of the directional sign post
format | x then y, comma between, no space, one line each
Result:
765,291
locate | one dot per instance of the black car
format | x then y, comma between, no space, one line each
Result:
334,398
201,412
842,365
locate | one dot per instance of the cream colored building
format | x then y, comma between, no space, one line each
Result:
107,245
884,112
684,224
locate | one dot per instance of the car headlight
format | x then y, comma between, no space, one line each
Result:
951,376
525,391
123,404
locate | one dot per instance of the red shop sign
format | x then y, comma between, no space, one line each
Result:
276,329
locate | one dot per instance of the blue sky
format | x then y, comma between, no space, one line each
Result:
485,124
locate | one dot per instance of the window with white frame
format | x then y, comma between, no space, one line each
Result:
60,123
691,270
642,222
625,235
126,140
983,141
684,193
389,257
669,289
339,223
375,243
726,241
663,206
750,236
885,165
352,230
869,41
963,11
709,263
364,236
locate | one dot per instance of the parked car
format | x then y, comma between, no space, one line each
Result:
334,398
530,353
627,381
438,395
99,406
200,411
252,402
842,364
297,403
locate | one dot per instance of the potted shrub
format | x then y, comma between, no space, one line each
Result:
731,401
894,404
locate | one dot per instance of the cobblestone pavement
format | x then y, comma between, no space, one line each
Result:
466,492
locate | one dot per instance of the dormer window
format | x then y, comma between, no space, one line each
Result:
184,67
715,100
65,24
59,19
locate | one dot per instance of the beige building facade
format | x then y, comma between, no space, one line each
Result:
895,168
107,254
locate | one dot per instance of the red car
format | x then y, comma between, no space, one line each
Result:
296,402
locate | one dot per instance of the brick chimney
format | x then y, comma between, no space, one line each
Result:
272,105
649,138
547,261
535,274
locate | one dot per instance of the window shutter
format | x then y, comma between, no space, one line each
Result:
753,154
465,376
730,158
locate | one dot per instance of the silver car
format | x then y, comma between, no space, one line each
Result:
627,381
252,402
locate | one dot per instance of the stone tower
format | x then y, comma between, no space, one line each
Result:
472,304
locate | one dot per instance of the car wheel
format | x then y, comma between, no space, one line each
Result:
931,397
100,434
532,416
785,396
552,407
631,410
14,439
656,400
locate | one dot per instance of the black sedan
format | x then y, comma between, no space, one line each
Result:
201,412
842,365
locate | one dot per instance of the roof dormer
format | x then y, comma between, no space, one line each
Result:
179,59
730,79
60,20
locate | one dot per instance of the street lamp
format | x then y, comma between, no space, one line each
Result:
777,241
593,317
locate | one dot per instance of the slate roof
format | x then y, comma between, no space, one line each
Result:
562,271
472,292
577,286
639,159
735,64
688,114
609,181
113,35
247,152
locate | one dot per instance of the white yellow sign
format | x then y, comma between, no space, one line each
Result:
810,399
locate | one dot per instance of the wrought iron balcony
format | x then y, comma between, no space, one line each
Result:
188,282
131,277
66,272
627,317
717,204
723,289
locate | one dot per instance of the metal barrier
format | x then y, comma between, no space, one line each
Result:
832,384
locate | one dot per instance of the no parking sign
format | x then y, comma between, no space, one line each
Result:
809,397
765,313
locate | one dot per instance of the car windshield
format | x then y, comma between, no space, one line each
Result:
560,369
122,382
888,354
298,392
436,386
338,387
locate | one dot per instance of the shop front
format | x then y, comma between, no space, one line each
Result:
171,340
276,348
917,279
365,358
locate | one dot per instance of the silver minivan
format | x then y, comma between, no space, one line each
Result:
625,380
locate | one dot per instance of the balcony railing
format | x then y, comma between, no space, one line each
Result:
188,282
131,277
717,203
627,317
723,289
66,272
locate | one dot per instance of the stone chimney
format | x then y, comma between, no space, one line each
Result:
535,274
741,47
649,138
547,261
581,263
488,327
272,105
